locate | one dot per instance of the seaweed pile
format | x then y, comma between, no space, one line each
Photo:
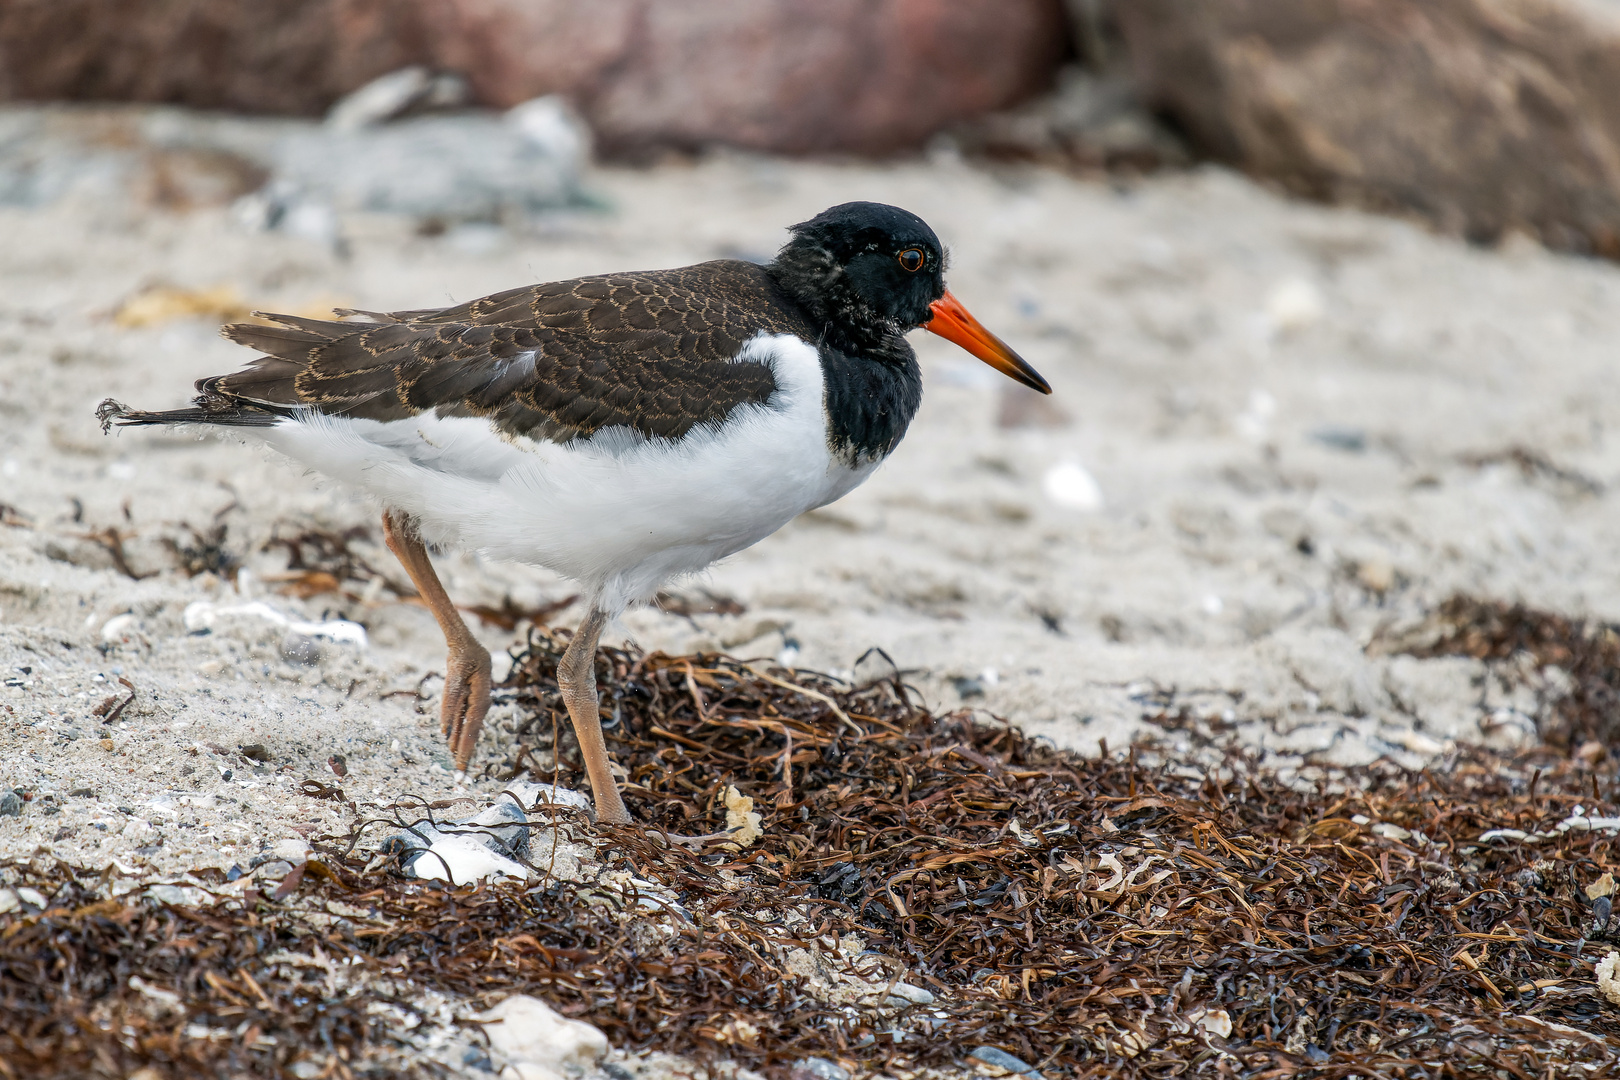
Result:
1091,917
1577,708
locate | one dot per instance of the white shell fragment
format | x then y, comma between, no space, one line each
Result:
1608,977
742,820
1576,822
203,615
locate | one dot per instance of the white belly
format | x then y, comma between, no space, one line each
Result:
619,513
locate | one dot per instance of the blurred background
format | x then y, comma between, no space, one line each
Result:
1324,289
1479,115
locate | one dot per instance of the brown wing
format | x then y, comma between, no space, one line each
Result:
651,351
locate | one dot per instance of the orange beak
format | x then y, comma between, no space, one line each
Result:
952,322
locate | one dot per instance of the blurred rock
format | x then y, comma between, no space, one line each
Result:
1092,121
462,167
1487,118
871,76
272,56
299,176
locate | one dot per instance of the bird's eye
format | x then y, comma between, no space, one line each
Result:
911,259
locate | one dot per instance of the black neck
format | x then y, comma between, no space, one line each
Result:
869,405
873,384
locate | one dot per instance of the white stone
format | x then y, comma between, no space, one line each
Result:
294,849
535,1041
1068,484
1294,304
120,628
462,860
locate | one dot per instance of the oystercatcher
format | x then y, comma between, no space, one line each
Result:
621,430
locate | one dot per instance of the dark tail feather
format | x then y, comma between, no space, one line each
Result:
210,409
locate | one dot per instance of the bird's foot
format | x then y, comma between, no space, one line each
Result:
466,700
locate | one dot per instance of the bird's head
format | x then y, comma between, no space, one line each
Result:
872,272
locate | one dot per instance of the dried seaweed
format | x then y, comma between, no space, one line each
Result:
1092,917
1580,709
206,551
704,602
322,561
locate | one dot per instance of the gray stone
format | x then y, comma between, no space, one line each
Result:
11,804
815,1068
300,649
294,176
911,995
1000,1059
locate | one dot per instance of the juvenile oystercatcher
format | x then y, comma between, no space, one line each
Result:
621,430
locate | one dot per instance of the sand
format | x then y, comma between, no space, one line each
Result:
1277,429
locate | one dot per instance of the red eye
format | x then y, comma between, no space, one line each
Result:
911,259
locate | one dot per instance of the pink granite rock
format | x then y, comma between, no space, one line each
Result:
867,76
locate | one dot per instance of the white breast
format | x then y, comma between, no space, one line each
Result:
619,513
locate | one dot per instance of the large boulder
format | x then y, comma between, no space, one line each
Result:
868,76
1482,115
293,57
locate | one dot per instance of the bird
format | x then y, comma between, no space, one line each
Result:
622,430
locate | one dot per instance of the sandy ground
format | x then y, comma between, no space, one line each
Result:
1281,428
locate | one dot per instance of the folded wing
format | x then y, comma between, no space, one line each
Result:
654,352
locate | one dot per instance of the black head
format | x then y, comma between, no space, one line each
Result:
885,259
868,273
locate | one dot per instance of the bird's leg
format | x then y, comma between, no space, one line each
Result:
576,677
466,669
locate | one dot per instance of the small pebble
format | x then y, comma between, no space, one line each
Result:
300,649
338,764
107,745
1000,1059
915,995
255,752
11,804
